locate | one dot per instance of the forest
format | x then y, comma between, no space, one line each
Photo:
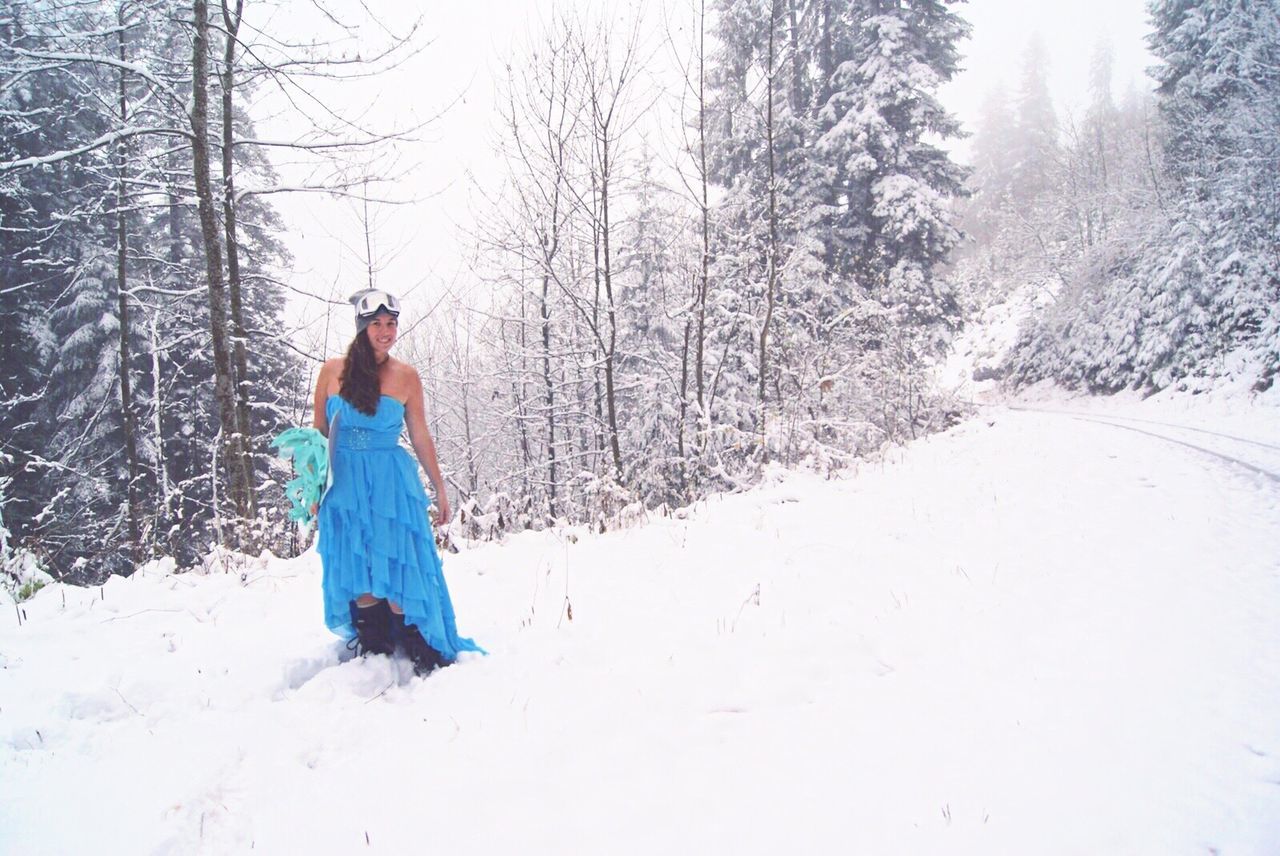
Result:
774,281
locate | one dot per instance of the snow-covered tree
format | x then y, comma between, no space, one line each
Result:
1219,83
106,254
992,181
1035,145
1176,274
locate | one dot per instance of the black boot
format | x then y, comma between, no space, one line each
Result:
425,658
373,629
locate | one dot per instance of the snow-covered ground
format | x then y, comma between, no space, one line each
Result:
1050,630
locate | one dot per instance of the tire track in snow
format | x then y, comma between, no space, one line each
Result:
1176,426
1263,469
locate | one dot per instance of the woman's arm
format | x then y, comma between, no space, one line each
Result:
328,371
425,447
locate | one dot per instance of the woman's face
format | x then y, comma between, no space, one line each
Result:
382,332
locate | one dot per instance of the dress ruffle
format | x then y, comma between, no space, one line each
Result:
375,536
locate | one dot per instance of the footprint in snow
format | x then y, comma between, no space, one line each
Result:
324,677
299,672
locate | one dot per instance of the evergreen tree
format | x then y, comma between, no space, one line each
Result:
656,314
992,182
60,345
836,213
1178,273
105,256
1219,82
1035,147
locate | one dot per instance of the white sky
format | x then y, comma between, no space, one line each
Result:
1070,31
421,243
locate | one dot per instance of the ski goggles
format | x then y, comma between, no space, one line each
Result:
373,302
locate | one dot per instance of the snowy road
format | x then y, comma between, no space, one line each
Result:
1041,632
1260,456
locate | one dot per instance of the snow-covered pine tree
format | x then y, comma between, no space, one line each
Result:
74,473
990,205
836,212
1219,82
1034,148
1185,280
895,191
658,262
757,133
105,241
1015,219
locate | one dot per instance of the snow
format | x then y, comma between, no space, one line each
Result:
973,364
1041,632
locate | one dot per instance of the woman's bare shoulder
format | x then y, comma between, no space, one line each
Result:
330,375
407,371
402,380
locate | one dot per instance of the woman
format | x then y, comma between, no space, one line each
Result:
382,575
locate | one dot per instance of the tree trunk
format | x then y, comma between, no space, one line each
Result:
596,268
684,395
235,288
826,63
473,473
611,400
128,420
826,72
545,311
223,383
174,208
772,258
518,398
797,60
705,212
162,464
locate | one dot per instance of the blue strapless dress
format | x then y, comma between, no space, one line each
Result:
374,535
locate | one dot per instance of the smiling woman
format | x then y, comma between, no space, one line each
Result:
383,580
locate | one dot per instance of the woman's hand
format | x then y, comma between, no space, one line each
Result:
424,446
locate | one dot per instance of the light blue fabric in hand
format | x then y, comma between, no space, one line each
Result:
309,451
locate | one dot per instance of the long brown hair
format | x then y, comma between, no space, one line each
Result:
359,383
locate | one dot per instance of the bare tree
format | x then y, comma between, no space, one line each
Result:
609,99
693,147
224,383
540,121
231,20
